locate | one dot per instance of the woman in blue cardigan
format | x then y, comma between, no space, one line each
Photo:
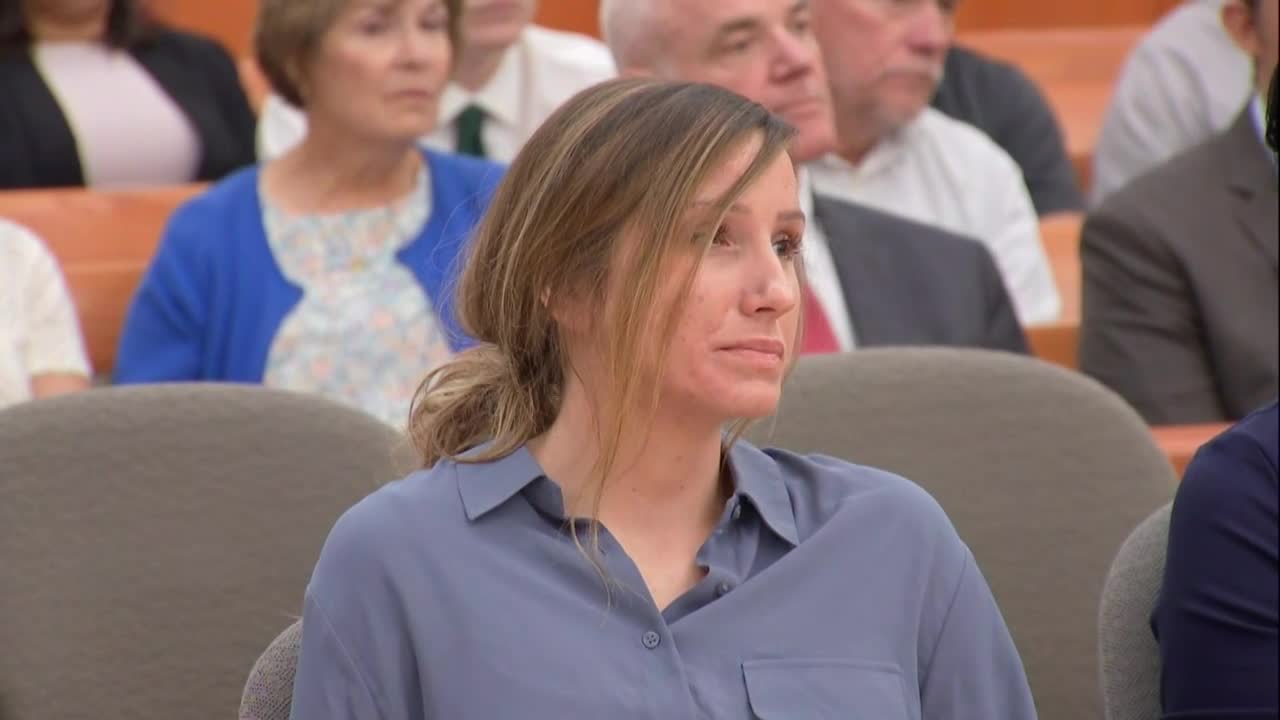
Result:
329,269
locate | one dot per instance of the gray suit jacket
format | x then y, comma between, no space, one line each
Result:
1180,290
907,283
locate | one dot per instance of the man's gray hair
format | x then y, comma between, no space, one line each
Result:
633,30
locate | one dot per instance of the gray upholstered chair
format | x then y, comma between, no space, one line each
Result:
268,694
154,539
1129,655
1043,471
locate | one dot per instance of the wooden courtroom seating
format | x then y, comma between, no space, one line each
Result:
1008,14
228,21
1180,442
255,83
103,241
1057,342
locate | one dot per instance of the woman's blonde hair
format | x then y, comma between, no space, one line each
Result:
622,159
287,33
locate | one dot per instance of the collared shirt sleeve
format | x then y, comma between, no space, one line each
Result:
973,671
1184,82
357,661
53,343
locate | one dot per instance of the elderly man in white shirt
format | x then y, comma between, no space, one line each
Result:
884,60
873,278
1185,82
510,76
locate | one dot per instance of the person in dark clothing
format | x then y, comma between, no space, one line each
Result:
1001,101
99,94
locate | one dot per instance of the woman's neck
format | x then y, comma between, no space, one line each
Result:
666,482
326,174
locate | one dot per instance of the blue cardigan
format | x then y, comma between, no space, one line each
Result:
214,297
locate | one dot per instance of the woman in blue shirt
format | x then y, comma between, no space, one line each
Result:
329,269
587,541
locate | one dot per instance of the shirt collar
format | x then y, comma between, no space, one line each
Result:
758,478
485,486
500,98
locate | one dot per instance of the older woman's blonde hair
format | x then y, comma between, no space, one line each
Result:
287,33
623,159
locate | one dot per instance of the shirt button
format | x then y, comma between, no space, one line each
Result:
737,511
651,640
723,589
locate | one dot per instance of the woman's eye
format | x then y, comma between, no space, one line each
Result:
786,246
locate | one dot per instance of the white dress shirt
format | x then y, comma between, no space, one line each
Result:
1185,81
820,270
949,174
537,74
39,331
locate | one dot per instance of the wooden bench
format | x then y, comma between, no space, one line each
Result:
1180,442
103,241
1058,342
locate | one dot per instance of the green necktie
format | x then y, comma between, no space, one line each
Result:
468,125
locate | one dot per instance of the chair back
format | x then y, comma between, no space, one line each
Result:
268,694
1130,657
1043,472
156,538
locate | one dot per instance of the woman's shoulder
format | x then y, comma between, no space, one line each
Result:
24,257
397,516
201,224
1236,473
825,490
236,193
451,170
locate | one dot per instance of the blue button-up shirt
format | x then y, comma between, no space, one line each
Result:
831,591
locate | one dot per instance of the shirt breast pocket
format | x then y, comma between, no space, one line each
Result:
824,689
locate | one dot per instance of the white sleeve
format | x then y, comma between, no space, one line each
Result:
53,342
1176,90
280,127
1014,238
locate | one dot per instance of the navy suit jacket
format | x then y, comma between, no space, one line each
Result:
1218,614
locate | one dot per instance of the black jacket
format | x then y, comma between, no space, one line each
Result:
37,148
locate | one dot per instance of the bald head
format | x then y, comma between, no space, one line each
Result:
761,49
633,30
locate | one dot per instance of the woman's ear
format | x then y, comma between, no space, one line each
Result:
570,311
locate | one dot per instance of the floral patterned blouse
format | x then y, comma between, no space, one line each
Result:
365,332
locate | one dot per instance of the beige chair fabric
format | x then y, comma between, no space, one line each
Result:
1043,472
268,694
1129,654
154,539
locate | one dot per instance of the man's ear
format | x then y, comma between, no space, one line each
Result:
1238,20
